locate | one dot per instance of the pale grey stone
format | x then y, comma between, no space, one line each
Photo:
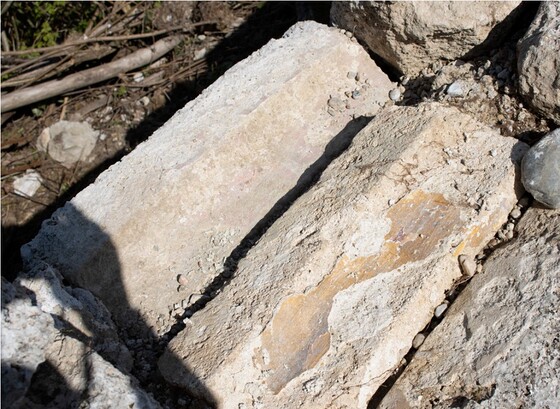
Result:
53,339
456,89
68,142
540,170
538,61
412,35
27,184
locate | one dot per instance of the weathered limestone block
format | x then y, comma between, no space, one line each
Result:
412,35
498,345
538,63
324,307
49,353
183,200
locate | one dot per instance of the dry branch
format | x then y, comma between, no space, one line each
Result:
139,58
94,53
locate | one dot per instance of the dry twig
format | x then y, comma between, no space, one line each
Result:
139,58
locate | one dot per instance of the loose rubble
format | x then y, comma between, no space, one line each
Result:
28,183
60,348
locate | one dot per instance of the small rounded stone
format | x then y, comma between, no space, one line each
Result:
395,94
515,213
182,279
440,309
455,89
418,340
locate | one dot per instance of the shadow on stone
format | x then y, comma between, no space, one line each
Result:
312,174
79,316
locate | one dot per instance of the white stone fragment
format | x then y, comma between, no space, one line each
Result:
418,340
456,89
440,309
27,184
68,142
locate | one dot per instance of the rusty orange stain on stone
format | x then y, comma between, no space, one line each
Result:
297,336
482,233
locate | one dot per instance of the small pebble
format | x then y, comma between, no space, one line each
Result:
523,202
455,90
138,77
468,265
182,279
515,213
440,310
493,152
395,94
418,340
199,54
356,94
351,75
349,34
509,235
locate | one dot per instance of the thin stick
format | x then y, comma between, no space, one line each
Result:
64,105
139,58
107,38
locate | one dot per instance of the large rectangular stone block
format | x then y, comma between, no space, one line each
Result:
325,306
183,200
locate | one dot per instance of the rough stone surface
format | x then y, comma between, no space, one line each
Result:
27,184
538,61
412,35
52,347
26,334
68,142
182,201
540,170
498,345
328,302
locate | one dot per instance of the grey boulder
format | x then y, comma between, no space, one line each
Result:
540,170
